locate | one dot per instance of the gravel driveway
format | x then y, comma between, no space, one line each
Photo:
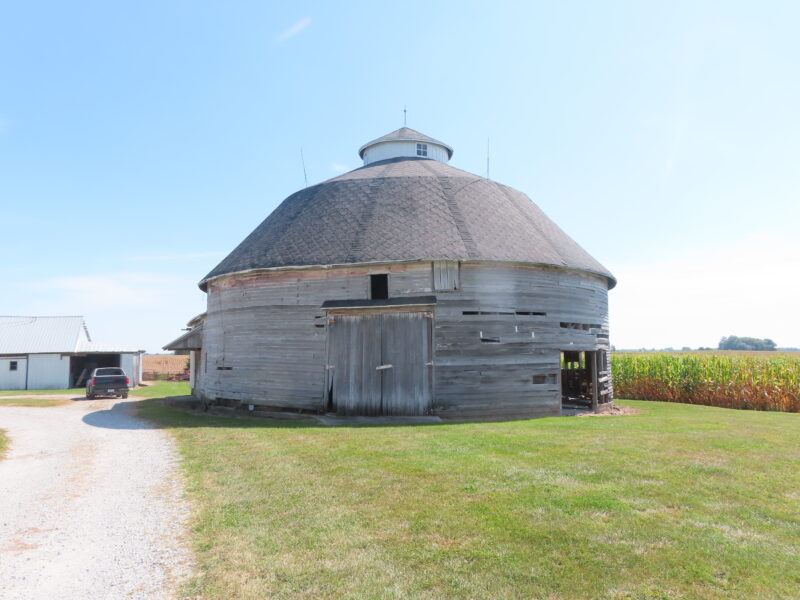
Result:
90,505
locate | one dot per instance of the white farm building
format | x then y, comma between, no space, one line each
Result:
51,353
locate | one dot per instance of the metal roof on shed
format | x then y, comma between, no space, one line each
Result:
45,335
85,347
34,335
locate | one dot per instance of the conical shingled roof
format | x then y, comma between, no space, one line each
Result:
406,209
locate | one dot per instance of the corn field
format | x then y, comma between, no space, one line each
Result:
757,380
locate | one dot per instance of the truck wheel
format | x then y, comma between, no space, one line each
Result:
90,396
124,394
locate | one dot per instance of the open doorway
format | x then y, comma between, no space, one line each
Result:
576,380
585,379
80,367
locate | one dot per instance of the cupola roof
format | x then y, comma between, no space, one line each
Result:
405,134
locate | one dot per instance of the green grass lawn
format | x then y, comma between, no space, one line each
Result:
677,502
156,389
159,389
3,443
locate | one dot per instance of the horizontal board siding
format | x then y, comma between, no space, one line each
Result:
270,355
268,335
494,378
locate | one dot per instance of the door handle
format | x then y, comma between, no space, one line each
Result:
382,367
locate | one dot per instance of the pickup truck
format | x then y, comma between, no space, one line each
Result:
107,381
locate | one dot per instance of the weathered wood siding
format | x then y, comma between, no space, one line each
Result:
506,325
264,338
497,339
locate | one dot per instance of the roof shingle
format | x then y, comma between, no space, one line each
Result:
406,209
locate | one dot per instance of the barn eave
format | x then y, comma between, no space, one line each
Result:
203,284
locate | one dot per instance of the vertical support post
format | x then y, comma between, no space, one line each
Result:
595,383
192,368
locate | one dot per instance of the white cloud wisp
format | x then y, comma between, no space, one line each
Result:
292,31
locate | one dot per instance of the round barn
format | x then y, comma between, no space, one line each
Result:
405,287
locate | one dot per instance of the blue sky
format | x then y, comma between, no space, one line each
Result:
140,142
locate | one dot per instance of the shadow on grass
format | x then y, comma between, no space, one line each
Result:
157,413
166,413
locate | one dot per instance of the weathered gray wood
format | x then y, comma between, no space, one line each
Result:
267,342
355,356
595,362
378,364
446,276
406,346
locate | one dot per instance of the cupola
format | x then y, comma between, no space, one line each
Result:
405,143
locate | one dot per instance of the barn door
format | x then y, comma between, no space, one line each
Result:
406,354
379,364
354,355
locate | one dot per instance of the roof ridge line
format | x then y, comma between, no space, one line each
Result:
532,222
369,212
455,212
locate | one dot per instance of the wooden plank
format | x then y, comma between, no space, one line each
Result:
406,345
446,276
356,348
594,361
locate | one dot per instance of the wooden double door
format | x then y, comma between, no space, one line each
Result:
380,363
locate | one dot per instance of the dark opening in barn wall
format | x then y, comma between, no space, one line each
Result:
80,367
585,379
379,286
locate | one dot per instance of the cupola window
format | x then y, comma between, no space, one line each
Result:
422,149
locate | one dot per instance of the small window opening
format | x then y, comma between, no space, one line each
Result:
12,365
379,286
490,340
422,149
581,326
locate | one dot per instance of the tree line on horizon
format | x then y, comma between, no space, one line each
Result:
733,342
